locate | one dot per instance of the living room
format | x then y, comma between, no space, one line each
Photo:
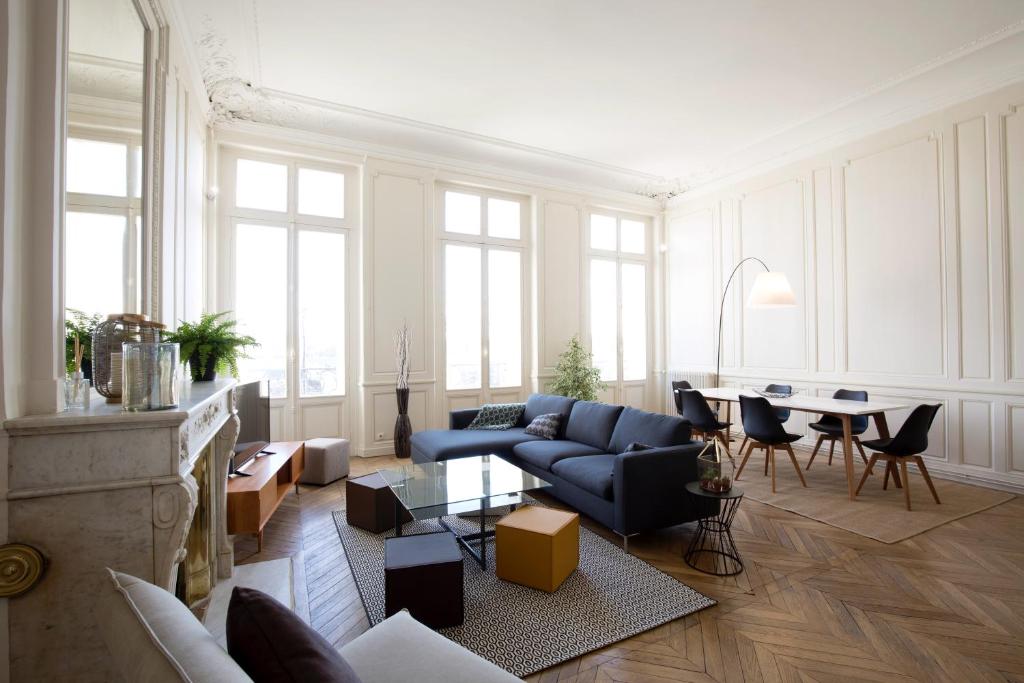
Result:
470,341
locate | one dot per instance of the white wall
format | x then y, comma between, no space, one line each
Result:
905,253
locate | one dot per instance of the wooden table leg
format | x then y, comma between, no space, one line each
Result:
728,420
848,454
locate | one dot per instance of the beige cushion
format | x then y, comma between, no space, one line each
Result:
402,649
153,637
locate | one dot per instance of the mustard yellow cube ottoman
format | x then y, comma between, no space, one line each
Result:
537,547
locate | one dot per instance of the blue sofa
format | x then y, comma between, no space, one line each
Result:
629,493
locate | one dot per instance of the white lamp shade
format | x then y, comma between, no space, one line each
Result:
771,290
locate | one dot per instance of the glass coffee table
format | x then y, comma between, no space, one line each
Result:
473,484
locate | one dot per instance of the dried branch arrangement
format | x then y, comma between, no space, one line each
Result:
402,355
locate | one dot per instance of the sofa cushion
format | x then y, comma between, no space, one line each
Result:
152,636
498,416
442,444
402,649
592,423
592,473
272,643
647,428
540,404
544,454
546,426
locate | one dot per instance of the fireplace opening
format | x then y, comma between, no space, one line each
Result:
195,573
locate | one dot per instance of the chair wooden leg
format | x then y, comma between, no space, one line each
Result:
860,448
831,451
906,481
743,463
896,475
888,471
771,457
927,479
766,461
815,451
867,473
744,444
796,465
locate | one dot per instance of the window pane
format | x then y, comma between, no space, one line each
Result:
95,167
261,296
603,318
634,321
634,237
321,317
321,193
261,185
462,213
94,238
602,232
503,218
504,318
462,331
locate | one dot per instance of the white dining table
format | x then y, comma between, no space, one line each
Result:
843,409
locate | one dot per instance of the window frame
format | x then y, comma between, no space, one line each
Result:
486,244
134,246
620,257
294,224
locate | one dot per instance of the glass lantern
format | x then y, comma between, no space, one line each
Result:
715,467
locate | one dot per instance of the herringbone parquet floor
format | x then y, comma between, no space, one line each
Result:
815,603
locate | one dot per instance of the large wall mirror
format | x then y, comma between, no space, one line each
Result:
105,159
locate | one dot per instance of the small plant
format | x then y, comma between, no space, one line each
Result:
575,375
211,345
79,325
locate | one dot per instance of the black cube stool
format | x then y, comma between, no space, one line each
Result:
423,574
370,504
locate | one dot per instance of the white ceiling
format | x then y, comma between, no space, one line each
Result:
654,88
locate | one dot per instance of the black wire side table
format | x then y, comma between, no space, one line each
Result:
713,539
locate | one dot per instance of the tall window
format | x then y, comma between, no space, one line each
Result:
289,264
483,289
103,223
619,256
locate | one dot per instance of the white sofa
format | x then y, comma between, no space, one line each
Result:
153,637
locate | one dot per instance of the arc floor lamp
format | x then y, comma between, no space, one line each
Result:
771,290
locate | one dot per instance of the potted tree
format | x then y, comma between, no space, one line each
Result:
211,346
575,375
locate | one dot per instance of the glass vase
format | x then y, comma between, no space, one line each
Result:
150,376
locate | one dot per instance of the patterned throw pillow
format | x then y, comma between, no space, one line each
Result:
497,416
545,425
637,446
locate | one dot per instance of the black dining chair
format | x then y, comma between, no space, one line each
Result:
700,416
764,430
681,385
831,427
908,444
781,413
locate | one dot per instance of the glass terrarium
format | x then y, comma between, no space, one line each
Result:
715,468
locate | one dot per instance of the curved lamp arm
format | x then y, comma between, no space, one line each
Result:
721,311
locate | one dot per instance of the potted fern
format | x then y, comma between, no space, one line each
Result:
211,346
575,374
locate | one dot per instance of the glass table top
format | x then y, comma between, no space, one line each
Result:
438,488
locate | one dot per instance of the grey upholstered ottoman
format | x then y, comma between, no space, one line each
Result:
326,460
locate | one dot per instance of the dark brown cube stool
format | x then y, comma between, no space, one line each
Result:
423,574
370,504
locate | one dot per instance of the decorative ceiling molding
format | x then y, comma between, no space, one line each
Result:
104,78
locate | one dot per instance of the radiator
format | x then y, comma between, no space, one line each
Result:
698,379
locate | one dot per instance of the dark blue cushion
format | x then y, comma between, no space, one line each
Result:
544,454
435,445
542,404
592,423
592,473
651,429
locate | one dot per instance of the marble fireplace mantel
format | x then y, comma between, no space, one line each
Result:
105,488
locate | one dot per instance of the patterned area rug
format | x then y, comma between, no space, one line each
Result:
610,597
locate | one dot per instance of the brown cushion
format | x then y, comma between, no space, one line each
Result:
272,643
